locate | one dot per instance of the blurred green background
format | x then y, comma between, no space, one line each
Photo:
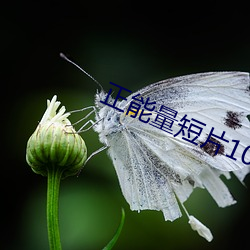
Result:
131,44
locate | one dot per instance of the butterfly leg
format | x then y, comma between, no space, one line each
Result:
81,129
83,109
94,153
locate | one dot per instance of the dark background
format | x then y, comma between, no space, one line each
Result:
132,44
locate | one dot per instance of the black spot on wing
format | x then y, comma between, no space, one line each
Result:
233,119
248,89
191,181
210,147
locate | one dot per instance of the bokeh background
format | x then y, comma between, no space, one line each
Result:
132,44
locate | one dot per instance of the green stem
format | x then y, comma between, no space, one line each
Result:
54,177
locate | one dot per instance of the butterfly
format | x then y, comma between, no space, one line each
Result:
156,170
210,137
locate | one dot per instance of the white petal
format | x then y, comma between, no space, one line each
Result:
200,228
50,110
51,114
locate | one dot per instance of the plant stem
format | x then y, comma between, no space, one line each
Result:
54,177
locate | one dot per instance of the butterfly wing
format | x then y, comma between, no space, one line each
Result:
154,167
138,170
220,100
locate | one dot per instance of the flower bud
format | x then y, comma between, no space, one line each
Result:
55,144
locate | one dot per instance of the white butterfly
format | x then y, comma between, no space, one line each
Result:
159,171
156,169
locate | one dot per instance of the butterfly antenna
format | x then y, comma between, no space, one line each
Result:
68,60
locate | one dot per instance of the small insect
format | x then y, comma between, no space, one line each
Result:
159,171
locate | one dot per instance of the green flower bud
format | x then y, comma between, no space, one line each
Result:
55,144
